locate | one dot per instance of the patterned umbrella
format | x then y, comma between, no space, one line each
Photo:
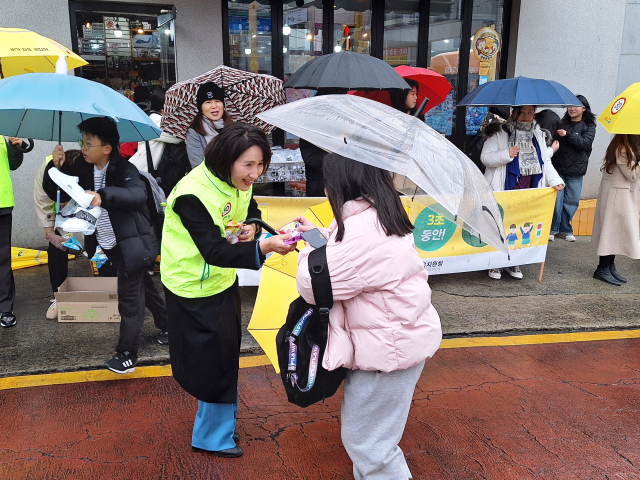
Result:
246,95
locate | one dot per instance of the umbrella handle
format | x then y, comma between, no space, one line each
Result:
60,127
422,105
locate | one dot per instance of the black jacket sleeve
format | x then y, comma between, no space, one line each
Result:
50,187
584,141
131,194
209,240
15,154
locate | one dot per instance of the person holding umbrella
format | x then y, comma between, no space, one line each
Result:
382,326
516,157
576,133
11,156
198,265
210,119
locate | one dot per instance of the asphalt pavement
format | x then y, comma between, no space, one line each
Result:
568,299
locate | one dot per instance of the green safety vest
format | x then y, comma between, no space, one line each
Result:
6,189
184,271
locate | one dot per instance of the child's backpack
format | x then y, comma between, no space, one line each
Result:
174,164
156,202
302,340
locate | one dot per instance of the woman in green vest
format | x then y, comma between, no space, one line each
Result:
198,270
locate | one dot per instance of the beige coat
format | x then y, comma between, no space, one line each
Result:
615,227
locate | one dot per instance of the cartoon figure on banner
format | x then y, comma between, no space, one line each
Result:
512,237
526,234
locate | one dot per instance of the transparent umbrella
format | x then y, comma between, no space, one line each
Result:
378,135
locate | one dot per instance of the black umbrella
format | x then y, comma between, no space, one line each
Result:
347,71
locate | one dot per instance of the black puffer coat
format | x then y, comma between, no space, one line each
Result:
125,198
572,157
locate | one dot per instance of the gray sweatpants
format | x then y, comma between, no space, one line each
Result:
375,408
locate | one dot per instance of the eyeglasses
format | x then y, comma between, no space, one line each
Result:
87,146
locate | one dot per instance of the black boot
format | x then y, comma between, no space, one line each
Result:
604,274
615,274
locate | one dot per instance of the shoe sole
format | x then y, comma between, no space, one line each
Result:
162,343
217,454
9,325
128,370
519,277
607,282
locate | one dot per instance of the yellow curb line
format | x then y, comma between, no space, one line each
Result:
260,360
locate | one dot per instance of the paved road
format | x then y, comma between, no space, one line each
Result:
554,411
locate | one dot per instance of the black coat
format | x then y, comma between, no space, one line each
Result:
125,198
313,158
205,333
572,157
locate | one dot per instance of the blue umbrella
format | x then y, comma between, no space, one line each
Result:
521,91
49,106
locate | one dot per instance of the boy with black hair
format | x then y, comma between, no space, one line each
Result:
123,231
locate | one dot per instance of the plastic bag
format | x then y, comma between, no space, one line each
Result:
99,257
74,218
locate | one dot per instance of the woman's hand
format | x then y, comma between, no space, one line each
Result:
513,151
58,156
562,132
559,187
248,233
276,244
555,145
306,224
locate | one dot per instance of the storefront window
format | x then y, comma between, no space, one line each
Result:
401,21
125,52
302,34
445,27
352,26
250,36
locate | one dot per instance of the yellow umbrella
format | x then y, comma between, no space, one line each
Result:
622,115
24,51
278,289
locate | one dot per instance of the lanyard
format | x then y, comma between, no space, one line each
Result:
293,355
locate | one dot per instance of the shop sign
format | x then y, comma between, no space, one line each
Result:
486,44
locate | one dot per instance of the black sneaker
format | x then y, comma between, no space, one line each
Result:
122,362
7,319
163,338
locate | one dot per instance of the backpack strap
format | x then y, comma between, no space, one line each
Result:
321,282
150,168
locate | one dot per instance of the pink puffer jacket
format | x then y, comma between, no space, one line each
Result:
382,318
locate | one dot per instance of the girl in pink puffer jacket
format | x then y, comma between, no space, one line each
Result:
382,324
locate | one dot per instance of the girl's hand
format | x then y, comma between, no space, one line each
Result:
306,224
248,233
562,132
559,187
513,152
276,244
555,145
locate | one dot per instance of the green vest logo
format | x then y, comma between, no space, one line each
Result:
90,314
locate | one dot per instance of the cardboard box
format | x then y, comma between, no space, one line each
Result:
88,299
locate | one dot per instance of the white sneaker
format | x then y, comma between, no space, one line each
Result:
495,273
552,237
514,272
570,238
52,312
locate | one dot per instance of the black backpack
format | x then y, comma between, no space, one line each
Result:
302,340
173,165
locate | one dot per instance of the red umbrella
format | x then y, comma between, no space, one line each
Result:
433,86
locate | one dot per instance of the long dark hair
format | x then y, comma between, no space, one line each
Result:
399,97
627,144
588,116
232,141
197,125
346,179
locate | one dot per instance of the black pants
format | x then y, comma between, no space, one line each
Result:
58,266
7,284
135,291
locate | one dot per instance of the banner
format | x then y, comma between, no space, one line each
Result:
446,248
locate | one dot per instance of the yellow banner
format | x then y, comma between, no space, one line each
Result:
446,248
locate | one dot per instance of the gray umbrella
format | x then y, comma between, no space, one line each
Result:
347,71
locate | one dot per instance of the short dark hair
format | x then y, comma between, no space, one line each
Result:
232,141
157,99
548,119
346,179
105,129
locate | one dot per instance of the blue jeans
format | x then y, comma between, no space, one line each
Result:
567,202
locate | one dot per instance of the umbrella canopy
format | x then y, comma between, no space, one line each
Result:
622,115
432,86
49,106
24,51
378,135
278,289
521,91
246,94
347,71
